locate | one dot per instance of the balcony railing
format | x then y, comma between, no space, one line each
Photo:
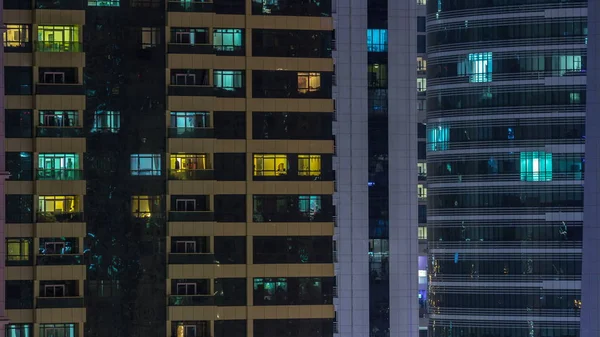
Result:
191,258
191,90
59,260
191,133
59,4
58,47
19,260
191,216
59,302
292,217
59,217
59,174
191,175
191,300
190,6
59,89
59,132
188,48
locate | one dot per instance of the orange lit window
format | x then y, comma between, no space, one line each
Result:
309,82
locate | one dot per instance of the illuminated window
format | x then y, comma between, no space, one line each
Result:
59,118
270,165
421,64
228,79
189,120
377,75
144,206
58,166
438,137
16,36
309,82
19,330
57,204
422,276
228,39
422,191
192,329
150,37
422,233
104,3
478,67
58,330
185,162
536,166
106,121
18,249
145,165
309,205
422,168
191,36
421,84
309,165
575,98
567,64
377,40
58,39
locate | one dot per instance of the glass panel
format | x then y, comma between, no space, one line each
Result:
59,118
309,82
106,121
309,165
536,166
270,165
228,79
58,38
57,204
377,40
144,206
187,120
145,165
16,35
227,39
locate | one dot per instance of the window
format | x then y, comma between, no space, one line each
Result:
18,123
478,66
438,138
104,3
54,290
186,120
185,205
186,162
150,37
421,84
58,330
189,77
19,165
145,165
421,24
185,246
228,79
58,39
191,329
377,40
567,64
309,165
422,233
18,249
377,75
16,36
309,205
145,206
421,64
269,165
18,80
309,82
536,166
19,330
19,208
422,191
189,35
186,289
421,44
58,166
57,204
228,39
422,168
59,118
106,121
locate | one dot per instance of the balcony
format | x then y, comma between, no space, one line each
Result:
59,302
191,216
191,90
59,4
191,175
191,133
59,260
292,217
230,50
59,89
191,300
191,258
59,174
325,175
59,132
19,260
187,48
58,47
190,6
230,92
59,217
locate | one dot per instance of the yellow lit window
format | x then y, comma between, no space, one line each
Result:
58,39
422,190
57,204
309,165
143,206
270,165
422,233
16,35
18,249
309,82
187,162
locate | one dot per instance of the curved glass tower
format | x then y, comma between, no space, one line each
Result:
506,109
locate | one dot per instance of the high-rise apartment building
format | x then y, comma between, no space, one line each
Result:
506,104
170,168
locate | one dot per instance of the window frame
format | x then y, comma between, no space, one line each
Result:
22,30
310,172
106,121
304,82
267,157
137,169
185,116
154,205
222,35
185,243
24,246
60,117
150,37
236,77
45,200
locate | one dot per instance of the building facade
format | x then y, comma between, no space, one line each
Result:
506,130
170,168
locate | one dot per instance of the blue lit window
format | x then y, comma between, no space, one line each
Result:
438,138
478,67
106,121
377,40
145,165
228,39
536,166
104,3
228,79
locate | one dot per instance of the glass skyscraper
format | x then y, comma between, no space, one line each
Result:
506,132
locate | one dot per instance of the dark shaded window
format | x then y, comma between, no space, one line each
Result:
230,207
19,208
295,125
377,16
237,328
293,208
17,4
190,244
191,36
291,43
190,203
18,80
315,327
19,294
230,249
292,7
421,24
293,291
230,166
421,44
422,213
230,124
296,249
58,75
189,77
190,287
291,84
19,165
422,150
230,291
230,6
59,288
421,130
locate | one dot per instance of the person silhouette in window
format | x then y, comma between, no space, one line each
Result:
280,169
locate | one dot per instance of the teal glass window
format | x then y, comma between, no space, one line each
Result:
187,119
225,39
19,330
58,166
228,79
145,165
536,166
59,330
478,66
104,3
377,40
106,121
438,137
309,204
59,118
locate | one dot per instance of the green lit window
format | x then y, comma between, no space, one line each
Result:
58,39
438,137
106,121
59,118
58,166
228,39
228,79
309,165
104,3
18,249
536,166
145,165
